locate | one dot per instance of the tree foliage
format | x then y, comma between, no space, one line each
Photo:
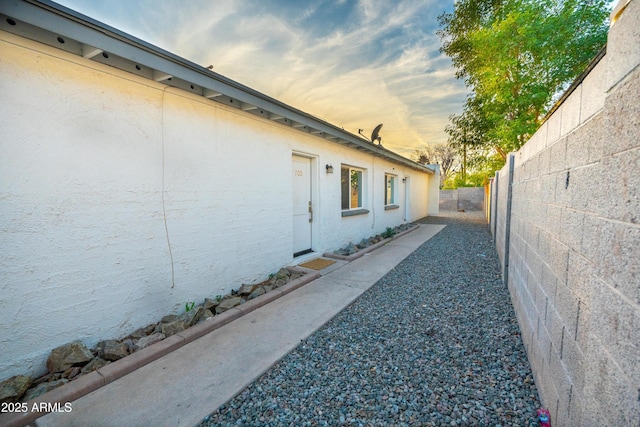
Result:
516,57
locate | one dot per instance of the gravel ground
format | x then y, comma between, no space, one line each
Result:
434,343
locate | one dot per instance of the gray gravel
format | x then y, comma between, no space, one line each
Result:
434,343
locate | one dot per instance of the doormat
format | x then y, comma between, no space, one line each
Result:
317,264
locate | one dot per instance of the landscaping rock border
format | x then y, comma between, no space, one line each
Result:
117,358
153,346
368,245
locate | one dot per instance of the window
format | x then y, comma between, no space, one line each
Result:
390,189
351,182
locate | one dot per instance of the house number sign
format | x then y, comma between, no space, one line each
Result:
298,172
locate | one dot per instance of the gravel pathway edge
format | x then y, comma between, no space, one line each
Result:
435,342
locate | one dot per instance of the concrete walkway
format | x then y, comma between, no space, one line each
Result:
183,387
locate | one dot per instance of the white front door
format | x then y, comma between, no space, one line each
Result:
302,206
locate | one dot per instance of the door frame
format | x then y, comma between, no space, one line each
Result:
313,176
407,197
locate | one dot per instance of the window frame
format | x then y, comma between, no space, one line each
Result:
349,210
393,203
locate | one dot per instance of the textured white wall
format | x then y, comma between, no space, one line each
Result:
94,162
335,230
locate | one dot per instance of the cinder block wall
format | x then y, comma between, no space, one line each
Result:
448,200
499,212
570,241
469,199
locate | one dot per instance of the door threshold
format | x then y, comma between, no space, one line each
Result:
306,251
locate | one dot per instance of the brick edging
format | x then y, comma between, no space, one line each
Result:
92,381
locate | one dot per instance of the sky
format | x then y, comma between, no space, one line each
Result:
353,63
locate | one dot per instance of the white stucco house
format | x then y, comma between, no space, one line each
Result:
132,181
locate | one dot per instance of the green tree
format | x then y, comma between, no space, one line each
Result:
516,57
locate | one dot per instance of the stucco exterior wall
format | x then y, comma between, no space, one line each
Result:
122,199
573,243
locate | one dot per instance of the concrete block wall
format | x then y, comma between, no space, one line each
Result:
469,199
448,200
570,246
500,214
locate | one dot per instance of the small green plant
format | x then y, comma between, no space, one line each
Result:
388,233
218,298
188,306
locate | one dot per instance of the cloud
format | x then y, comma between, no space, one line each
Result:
354,63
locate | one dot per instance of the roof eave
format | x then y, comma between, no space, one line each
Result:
46,21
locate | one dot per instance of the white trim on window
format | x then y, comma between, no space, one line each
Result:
352,188
390,189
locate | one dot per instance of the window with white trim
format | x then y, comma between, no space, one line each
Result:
351,181
390,189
